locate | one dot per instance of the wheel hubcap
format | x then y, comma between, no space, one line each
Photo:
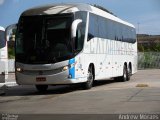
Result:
125,75
90,77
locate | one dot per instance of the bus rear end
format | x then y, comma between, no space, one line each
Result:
3,60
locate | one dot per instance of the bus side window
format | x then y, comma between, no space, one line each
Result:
2,39
79,38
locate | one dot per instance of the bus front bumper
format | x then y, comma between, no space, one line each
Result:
55,79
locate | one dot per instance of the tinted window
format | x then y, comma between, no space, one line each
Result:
102,25
104,28
93,26
2,39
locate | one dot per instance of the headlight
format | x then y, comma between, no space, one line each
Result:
19,69
68,67
65,68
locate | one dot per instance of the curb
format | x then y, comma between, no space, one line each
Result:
11,84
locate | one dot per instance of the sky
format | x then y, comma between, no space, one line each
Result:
143,14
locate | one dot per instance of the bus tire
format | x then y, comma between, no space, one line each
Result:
90,79
42,88
129,72
124,77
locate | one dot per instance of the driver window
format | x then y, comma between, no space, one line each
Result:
2,39
79,38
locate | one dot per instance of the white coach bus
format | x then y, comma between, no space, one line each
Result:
3,60
73,43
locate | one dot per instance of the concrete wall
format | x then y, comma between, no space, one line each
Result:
11,67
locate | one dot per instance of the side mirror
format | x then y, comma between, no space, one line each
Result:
9,31
74,27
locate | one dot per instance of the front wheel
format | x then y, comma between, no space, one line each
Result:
42,88
90,78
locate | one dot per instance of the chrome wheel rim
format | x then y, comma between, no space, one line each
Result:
90,77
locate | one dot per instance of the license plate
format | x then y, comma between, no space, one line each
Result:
40,79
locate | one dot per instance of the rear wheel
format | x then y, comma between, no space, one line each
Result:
125,75
42,88
129,73
90,79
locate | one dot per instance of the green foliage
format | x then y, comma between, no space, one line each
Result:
150,47
14,31
148,43
11,53
157,47
140,48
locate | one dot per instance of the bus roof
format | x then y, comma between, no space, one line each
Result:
2,29
70,8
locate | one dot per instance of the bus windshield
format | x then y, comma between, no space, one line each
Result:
44,39
2,39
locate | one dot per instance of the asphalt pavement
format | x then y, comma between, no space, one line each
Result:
139,95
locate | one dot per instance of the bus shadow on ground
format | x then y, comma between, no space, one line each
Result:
25,90
103,82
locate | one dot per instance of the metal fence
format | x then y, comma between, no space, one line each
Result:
146,60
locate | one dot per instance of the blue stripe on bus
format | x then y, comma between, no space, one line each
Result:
72,69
